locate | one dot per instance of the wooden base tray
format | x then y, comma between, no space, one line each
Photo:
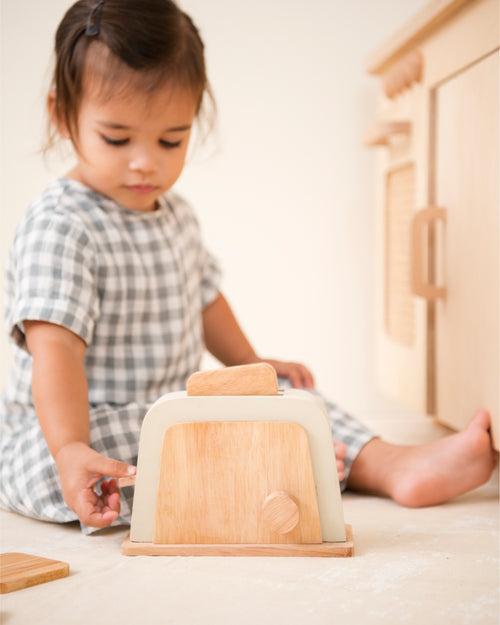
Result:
326,550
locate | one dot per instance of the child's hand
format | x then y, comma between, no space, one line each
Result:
80,468
299,375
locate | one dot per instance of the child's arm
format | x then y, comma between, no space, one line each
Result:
226,341
59,387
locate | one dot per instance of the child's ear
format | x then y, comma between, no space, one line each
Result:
51,110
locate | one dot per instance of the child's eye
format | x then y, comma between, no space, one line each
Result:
170,144
117,142
111,141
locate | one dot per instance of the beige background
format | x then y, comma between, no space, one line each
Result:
284,188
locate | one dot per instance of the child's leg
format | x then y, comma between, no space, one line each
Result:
412,475
29,481
426,475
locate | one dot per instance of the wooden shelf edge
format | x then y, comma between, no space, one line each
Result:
413,31
381,133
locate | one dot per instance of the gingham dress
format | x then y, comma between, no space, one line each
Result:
132,285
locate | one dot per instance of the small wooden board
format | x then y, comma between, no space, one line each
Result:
328,550
22,570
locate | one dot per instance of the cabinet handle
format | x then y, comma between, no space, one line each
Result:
382,132
419,285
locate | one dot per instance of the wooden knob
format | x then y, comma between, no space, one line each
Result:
280,512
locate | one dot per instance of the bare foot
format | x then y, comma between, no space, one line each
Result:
430,474
340,451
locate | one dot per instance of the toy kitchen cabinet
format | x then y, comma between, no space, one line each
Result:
436,134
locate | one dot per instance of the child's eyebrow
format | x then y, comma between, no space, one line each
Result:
116,126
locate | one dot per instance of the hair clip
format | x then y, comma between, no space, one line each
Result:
94,21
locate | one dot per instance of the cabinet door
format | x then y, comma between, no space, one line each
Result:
401,318
467,185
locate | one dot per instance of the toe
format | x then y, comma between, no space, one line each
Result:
481,419
340,469
340,450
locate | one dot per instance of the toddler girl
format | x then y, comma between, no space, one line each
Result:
112,296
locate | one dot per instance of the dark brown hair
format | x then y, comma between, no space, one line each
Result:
154,38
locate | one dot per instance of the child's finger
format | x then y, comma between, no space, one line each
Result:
113,498
107,466
113,487
295,378
110,498
340,449
91,510
113,502
300,376
100,519
109,486
307,377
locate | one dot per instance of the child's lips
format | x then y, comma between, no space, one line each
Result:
142,188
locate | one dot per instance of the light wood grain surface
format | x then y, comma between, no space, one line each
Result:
22,570
215,478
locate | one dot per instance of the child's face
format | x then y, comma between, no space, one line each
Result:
132,148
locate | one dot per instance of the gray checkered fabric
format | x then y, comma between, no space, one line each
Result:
132,285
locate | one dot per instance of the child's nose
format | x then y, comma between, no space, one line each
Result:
143,162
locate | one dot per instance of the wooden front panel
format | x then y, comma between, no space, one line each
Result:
467,186
216,475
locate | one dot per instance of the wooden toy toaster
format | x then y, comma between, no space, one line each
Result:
235,466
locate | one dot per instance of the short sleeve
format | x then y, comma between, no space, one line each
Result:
211,276
52,277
